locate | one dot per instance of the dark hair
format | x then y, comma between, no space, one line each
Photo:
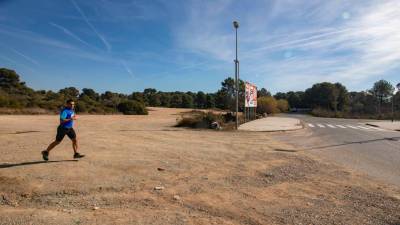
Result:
69,101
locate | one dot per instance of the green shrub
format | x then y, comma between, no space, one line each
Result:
3,100
81,107
131,107
320,112
199,119
283,105
267,105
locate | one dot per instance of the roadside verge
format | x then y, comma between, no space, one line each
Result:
272,124
387,125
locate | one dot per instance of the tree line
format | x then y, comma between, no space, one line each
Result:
334,100
15,94
322,99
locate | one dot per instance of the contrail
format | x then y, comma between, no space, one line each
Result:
8,59
16,63
69,33
106,44
126,68
298,41
26,57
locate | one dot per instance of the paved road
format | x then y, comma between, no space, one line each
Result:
365,149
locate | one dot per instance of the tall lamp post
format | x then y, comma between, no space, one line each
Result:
393,98
236,26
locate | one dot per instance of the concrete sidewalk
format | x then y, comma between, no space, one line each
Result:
270,124
387,125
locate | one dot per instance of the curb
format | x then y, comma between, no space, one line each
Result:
373,125
271,131
301,123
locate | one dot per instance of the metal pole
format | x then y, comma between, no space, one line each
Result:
245,115
237,85
393,108
236,26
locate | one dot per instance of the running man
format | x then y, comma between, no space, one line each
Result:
67,117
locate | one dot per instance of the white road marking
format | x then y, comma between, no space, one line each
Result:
345,126
356,128
365,128
376,128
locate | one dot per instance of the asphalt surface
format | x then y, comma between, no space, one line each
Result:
350,143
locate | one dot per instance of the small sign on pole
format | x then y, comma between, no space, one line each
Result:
250,101
251,95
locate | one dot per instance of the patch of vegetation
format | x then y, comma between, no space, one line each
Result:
323,99
320,112
267,105
333,100
200,119
16,96
131,107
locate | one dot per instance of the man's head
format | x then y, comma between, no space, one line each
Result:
70,104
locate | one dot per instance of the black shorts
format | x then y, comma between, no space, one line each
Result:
62,131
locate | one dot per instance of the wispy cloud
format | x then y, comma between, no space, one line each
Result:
202,30
34,37
54,45
8,59
127,69
84,17
309,42
17,63
69,33
26,57
300,42
364,48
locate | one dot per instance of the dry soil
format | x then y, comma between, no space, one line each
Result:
204,177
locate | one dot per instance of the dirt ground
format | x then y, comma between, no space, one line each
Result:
208,177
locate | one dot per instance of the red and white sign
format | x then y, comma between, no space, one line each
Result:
250,95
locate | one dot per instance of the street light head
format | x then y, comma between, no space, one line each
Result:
236,24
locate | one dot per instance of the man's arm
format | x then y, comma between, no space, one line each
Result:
66,120
63,117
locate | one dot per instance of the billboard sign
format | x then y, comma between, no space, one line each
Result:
250,95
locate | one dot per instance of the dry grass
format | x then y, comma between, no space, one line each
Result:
219,177
25,111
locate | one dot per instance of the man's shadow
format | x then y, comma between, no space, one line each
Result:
7,165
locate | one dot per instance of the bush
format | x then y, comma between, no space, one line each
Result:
267,105
81,107
3,100
24,111
199,119
283,105
320,112
132,107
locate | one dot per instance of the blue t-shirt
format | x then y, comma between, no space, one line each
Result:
67,113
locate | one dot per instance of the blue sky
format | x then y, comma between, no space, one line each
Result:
126,45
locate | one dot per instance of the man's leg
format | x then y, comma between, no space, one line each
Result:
60,135
75,145
45,153
52,145
72,135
